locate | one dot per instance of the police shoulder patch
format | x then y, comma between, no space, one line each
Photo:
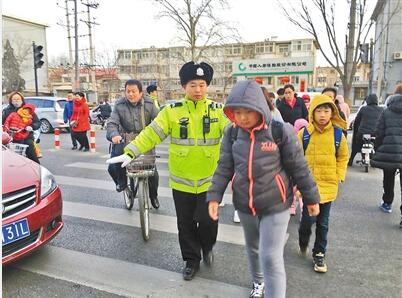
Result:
176,104
215,105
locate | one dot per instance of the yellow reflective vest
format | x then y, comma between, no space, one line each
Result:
155,100
194,155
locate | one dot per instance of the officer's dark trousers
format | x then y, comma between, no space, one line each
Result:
197,231
119,176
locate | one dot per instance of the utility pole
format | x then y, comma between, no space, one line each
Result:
76,64
70,50
92,66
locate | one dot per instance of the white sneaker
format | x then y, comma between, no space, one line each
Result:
236,218
257,291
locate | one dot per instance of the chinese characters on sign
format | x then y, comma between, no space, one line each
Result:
278,64
273,66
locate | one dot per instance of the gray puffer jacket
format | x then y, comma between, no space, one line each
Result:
126,116
262,172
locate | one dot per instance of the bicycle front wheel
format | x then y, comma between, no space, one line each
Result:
143,202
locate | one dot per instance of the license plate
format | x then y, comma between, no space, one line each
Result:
15,231
366,150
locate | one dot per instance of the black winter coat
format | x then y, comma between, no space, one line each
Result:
367,117
291,115
388,143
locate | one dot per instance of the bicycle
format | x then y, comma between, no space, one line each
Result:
141,169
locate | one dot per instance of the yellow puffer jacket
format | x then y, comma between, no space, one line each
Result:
328,170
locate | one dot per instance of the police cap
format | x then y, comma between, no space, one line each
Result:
191,71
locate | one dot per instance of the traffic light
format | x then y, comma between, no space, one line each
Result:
38,56
364,53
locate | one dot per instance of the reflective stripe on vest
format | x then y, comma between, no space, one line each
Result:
185,142
209,142
158,130
190,182
134,149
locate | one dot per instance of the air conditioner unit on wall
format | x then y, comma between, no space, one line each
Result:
398,56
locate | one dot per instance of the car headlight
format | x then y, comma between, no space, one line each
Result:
47,182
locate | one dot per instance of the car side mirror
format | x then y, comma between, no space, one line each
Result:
5,138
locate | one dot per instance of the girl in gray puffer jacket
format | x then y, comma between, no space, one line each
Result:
263,168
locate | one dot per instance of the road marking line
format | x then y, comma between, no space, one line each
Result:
122,277
109,185
163,223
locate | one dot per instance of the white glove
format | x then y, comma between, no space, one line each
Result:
124,159
29,128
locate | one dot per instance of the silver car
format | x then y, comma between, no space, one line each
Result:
49,110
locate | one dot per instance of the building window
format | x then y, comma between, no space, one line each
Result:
127,55
322,79
356,79
297,46
233,50
283,48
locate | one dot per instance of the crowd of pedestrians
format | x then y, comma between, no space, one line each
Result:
268,165
274,150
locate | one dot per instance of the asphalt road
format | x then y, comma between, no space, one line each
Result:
100,251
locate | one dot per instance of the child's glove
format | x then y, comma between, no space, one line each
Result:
124,159
29,128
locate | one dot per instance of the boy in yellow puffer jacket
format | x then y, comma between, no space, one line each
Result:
328,163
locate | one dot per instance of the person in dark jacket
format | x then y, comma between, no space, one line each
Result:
263,170
292,107
365,123
388,147
105,109
127,121
67,113
16,101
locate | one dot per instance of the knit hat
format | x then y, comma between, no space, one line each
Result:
191,71
306,98
299,124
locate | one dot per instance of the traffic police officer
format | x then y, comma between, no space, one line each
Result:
195,125
152,91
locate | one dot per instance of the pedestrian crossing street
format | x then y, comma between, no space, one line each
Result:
114,275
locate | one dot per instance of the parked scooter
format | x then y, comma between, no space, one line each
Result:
367,151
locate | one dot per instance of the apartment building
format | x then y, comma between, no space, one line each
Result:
274,62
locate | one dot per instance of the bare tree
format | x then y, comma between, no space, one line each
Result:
323,29
197,23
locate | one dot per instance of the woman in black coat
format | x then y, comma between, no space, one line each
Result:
365,123
388,146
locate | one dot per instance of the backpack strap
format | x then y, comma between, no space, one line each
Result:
306,139
277,131
337,139
234,129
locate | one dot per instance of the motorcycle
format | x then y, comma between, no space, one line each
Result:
367,151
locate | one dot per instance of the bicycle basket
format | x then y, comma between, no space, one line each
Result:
18,148
141,164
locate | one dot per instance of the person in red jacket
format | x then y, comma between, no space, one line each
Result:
79,120
21,119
